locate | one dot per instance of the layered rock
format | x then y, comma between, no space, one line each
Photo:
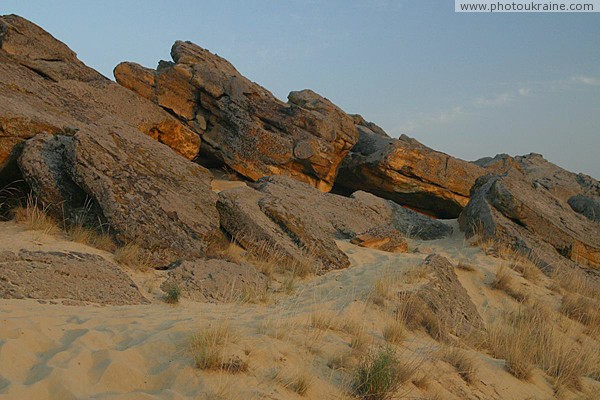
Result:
141,189
45,88
216,280
74,276
444,298
242,124
382,238
297,223
407,172
529,217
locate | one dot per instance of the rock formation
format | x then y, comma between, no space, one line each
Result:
407,172
45,88
242,124
446,299
216,280
384,238
141,189
297,223
527,216
74,276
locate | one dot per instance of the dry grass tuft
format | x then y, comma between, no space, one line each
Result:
35,218
528,269
324,320
90,237
461,361
581,309
133,256
299,383
415,314
207,349
394,331
529,337
577,281
505,282
380,373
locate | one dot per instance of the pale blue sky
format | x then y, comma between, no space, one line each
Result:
471,85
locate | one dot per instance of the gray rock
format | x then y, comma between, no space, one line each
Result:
43,167
445,297
589,207
216,280
300,223
148,194
66,275
528,217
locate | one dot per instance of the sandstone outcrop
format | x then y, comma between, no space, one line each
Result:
298,223
407,172
242,124
73,276
45,88
216,280
382,238
527,216
141,189
446,299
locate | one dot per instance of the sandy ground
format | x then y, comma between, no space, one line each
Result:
52,351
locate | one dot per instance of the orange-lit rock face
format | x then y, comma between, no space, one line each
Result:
409,173
45,88
242,124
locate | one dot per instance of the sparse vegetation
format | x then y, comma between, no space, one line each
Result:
207,349
172,294
299,382
90,237
394,331
505,282
529,337
380,374
461,361
132,256
35,217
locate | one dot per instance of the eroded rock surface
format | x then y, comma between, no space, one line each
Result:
409,173
75,276
216,280
299,223
45,88
384,238
242,124
529,217
445,297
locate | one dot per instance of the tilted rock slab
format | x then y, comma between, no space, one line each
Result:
447,300
298,224
215,280
75,276
242,124
528,217
407,172
45,88
144,192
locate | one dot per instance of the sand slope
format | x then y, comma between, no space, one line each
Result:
53,351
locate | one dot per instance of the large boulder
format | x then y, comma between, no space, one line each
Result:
298,223
527,216
74,276
242,124
45,88
141,189
215,280
444,298
407,172
43,166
